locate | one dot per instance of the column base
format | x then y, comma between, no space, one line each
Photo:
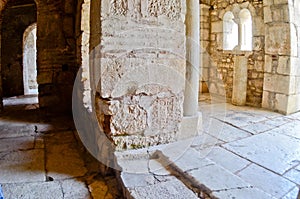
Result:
191,126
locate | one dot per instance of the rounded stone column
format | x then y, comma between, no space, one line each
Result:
190,106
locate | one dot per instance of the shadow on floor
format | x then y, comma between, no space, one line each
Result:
42,157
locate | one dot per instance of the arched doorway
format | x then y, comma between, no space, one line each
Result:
29,61
16,17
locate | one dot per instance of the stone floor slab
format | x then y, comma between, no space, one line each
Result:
291,129
224,132
217,178
22,166
240,119
226,159
14,144
132,180
267,181
274,151
75,188
64,161
36,190
292,194
164,190
243,193
279,121
205,141
259,127
191,159
12,129
293,175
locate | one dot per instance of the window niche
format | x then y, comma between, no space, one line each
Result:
230,32
237,31
246,30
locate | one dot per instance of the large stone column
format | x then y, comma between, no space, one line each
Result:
190,106
192,120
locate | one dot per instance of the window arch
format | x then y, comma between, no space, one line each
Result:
230,31
246,29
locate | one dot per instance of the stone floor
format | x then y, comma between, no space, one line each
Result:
42,157
241,153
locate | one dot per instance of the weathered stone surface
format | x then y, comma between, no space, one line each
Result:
224,132
169,189
217,178
75,188
260,177
16,130
142,76
35,190
292,194
264,148
226,159
64,161
22,166
15,144
294,175
247,193
23,157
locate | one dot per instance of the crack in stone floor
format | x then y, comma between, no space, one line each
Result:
42,157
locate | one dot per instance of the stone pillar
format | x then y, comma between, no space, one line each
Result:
192,120
240,75
190,105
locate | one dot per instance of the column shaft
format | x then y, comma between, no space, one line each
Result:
190,106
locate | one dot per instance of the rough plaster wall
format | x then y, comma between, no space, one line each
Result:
279,84
56,43
223,61
142,71
14,23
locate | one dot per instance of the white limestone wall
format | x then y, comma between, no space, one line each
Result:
294,98
281,83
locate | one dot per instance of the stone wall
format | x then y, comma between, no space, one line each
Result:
142,71
56,43
204,45
281,86
15,20
294,101
223,61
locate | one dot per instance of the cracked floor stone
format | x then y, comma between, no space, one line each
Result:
42,158
243,153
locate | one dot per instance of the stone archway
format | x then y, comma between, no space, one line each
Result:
29,60
13,24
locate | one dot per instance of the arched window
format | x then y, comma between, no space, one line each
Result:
230,32
29,61
246,30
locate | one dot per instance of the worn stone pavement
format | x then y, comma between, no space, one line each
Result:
41,157
241,153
